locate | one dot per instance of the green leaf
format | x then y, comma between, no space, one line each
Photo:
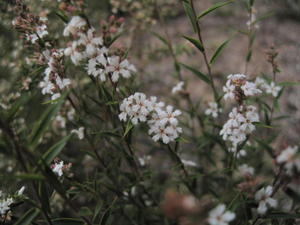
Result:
67,221
190,13
200,75
289,83
214,7
282,215
55,150
259,124
129,126
17,105
42,124
218,52
23,176
161,38
28,217
62,16
195,42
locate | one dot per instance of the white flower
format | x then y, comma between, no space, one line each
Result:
96,67
76,55
219,216
263,196
272,89
5,205
246,170
260,83
90,42
21,191
229,91
79,132
250,89
144,160
119,68
290,159
178,87
57,168
61,121
189,163
74,26
213,109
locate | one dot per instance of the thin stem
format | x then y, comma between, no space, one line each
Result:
198,30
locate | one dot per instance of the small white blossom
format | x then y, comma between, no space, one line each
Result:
219,216
96,67
213,109
246,170
5,205
290,159
119,68
90,41
21,190
263,196
74,26
272,89
73,51
250,89
189,163
178,87
79,132
57,168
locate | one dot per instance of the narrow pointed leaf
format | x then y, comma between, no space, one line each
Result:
192,17
195,42
28,217
55,150
200,75
214,7
161,38
218,52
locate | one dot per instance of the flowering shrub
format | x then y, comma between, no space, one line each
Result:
90,141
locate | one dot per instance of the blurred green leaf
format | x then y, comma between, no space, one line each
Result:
43,123
195,42
200,75
161,38
289,83
28,217
67,221
25,97
189,12
214,7
55,150
218,52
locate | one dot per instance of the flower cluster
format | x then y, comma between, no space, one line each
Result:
6,200
237,87
240,124
162,120
213,110
34,28
290,159
219,216
53,81
59,167
269,88
263,196
5,204
88,46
